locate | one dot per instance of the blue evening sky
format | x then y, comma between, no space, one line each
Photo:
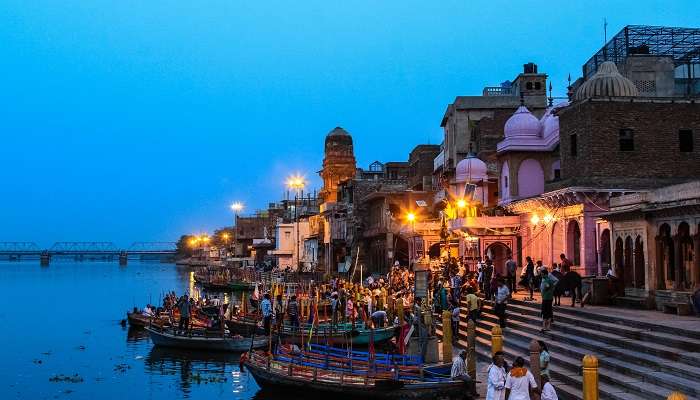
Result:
139,120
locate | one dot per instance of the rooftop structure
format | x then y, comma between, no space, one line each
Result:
682,45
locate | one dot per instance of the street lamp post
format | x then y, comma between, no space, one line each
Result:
297,183
236,207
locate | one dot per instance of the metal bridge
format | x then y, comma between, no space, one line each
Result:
80,250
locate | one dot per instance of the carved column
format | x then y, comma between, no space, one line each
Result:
695,274
659,280
678,261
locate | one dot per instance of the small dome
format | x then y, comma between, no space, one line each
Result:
550,121
338,137
471,169
607,82
522,123
338,131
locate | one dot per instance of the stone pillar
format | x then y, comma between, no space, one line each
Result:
695,273
446,337
678,260
471,347
535,362
659,279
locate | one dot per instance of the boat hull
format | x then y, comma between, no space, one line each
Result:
361,338
167,339
137,320
392,390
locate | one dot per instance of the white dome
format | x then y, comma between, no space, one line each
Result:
471,169
522,123
607,82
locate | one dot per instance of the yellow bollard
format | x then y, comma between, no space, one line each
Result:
471,346
676,396
590,377
496,339
446,337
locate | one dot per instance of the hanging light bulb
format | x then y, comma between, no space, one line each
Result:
535,219
548,218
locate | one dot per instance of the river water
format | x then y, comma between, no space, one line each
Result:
64,319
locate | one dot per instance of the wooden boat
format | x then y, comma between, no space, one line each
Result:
137,319
338,334
229,286
246,325
202,340
400,383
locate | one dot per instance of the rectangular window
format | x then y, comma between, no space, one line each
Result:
557,174
685,139
626,140
574,145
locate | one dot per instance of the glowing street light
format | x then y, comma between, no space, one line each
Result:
410,217
461,203
297,183
237,207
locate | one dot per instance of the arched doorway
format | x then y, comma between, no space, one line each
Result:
628,263
686,256
605,250
557,242
666,263
400,250
573,234
619,259
434,250
639,267
498,253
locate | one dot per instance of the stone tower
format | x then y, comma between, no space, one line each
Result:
338,163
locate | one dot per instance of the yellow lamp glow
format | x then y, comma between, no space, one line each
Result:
548,218
411,217
535,219
224,235
237,206
461,203
296,182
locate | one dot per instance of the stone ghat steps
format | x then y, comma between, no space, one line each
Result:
679,339
636,360
620,321
676,361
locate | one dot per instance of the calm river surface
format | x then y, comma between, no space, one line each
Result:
65,320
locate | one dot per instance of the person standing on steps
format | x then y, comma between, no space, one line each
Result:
501,300
487,276
496,381
548,392
547,289
473,304
566,264
530,276
511,268
520,382
544,358
456,310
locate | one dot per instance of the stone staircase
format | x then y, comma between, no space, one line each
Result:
637,360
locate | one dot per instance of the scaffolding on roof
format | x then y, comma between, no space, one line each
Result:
683,44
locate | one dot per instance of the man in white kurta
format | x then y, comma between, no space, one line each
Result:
496,381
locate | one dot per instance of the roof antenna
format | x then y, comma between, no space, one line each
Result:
569,91
605,30
551,99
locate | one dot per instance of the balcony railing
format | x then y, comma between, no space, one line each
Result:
497,91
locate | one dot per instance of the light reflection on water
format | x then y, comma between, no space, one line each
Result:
65,319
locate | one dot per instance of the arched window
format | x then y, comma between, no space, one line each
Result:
628,263
557,242
530,178
687,255
605,250
666,260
